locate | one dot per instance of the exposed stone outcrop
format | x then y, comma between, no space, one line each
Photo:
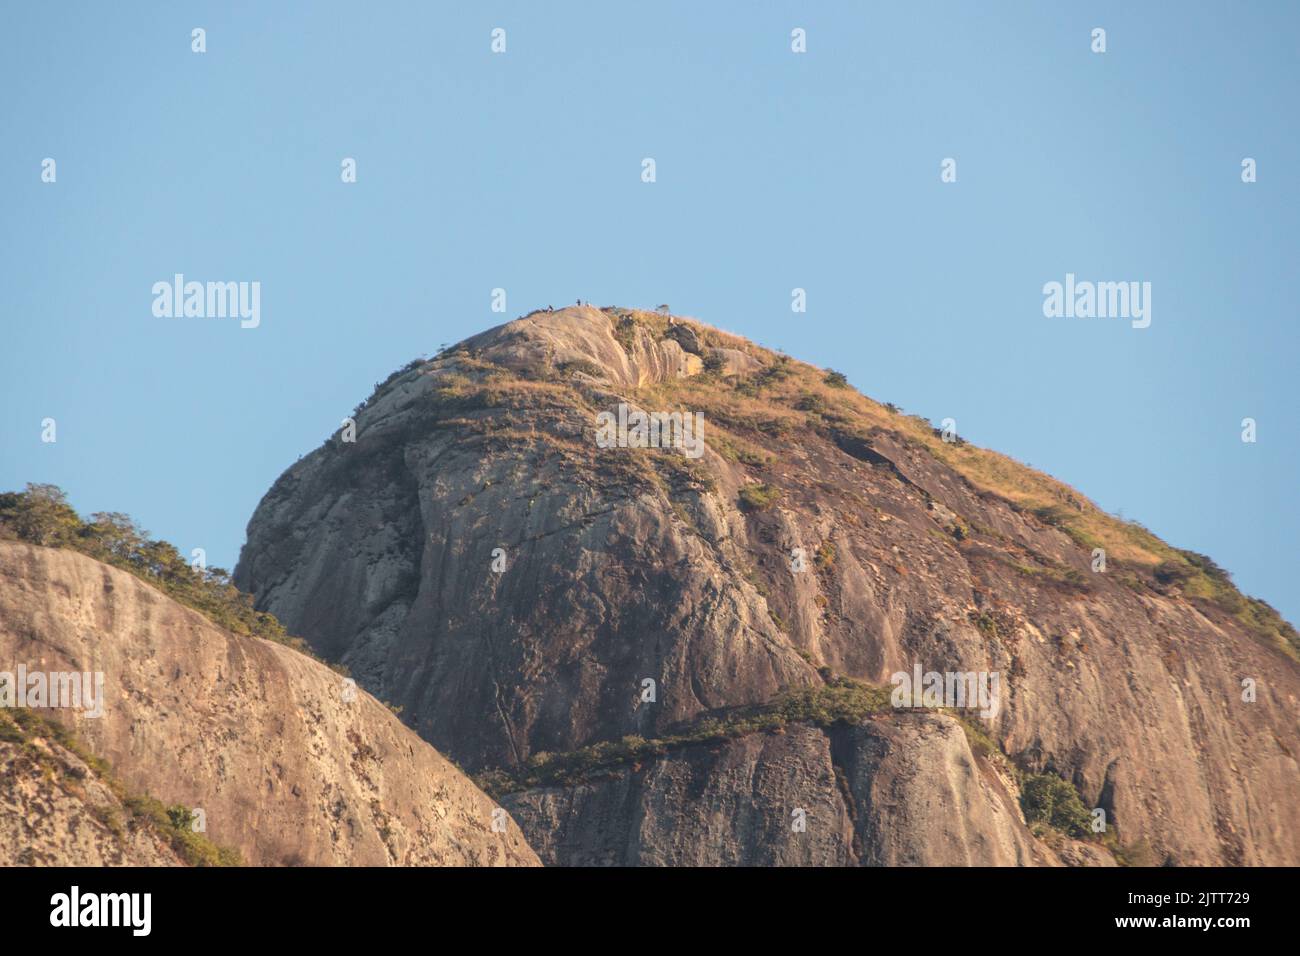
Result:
628,564
288,764
910,793
56,811
585,336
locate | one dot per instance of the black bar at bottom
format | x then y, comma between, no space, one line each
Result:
378,907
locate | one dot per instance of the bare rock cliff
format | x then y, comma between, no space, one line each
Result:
286,765
477,558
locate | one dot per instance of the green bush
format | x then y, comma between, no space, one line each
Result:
986,622
1046,798
1173,573
778,371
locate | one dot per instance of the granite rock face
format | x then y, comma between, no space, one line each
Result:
56,811
289,765
890,792
477,558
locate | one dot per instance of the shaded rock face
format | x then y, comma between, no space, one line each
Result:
287,765
891,792
474,557
731,805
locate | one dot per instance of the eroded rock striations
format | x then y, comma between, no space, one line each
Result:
474,557
288,766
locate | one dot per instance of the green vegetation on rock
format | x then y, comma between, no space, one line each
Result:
41,515
1046,798
840,700
759,497
25,727
1137,558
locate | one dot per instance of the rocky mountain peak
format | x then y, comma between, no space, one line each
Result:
616,346
655,658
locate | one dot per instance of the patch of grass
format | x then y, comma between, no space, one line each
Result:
979,740
986,623
1053,572
684,516
1134,854
1063,519
9,732
29,724
682,474
778,428
757,583
759,497
810,402
778,370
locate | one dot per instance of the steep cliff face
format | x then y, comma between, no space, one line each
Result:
288,764
478,558
887,792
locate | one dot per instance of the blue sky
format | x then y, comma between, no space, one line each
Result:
774,171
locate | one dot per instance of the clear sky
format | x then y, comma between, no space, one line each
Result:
775,170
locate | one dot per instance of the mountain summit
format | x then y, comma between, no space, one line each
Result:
653,658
